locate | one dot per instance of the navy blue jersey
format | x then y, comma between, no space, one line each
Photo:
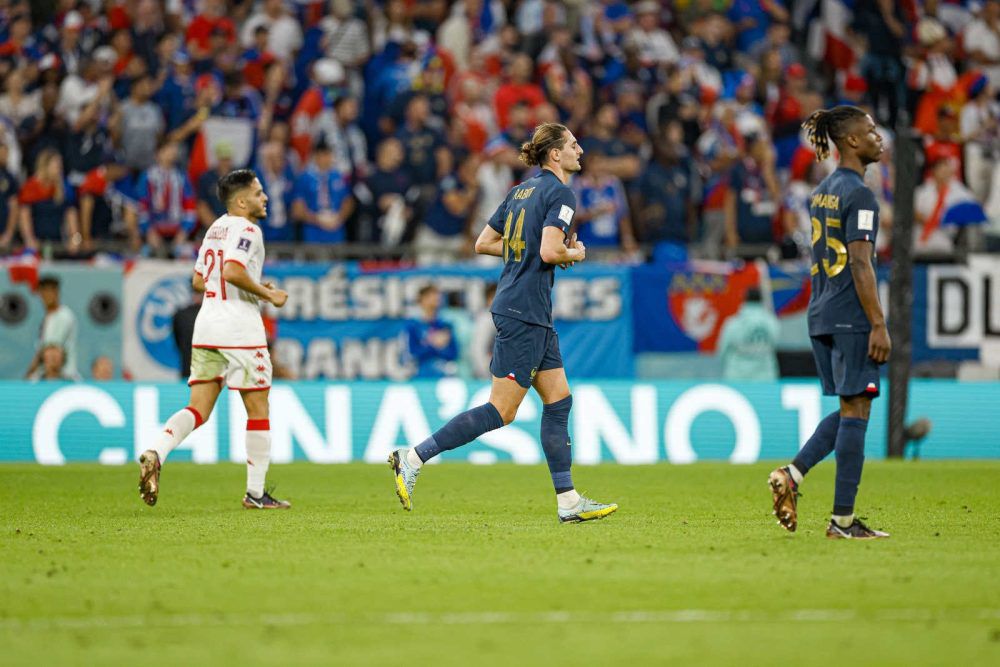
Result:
525,288
843,210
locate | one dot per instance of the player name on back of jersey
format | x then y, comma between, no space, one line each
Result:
217,233
831,202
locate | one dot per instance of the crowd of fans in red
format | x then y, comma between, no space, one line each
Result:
396,123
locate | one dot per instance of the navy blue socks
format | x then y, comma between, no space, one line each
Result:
555,443
819,446
462,429
850,451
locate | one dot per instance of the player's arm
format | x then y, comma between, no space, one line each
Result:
554,250
236,274
489,242
859,258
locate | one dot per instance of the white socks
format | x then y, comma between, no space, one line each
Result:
843,521
568,499
412,458
178,427
796,475
258,455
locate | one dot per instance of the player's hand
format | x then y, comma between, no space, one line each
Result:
580,249
879,345
278,297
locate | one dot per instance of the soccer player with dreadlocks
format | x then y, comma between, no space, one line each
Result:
846,323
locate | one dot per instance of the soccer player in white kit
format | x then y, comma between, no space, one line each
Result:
229,343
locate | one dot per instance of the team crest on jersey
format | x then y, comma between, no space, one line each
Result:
244,243
250,229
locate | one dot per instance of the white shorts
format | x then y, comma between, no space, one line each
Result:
244,369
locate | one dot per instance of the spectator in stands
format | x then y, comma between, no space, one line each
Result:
278,180
654,44
603,139
321,201
936,232
982,41
17,104
388,197
980,131
883,28
339,129
778,39
108,207
102,369
167,211
58,330
602,216
212,19
752,18
345,39
424,148
667,192
176,97
284,32
209,206
256,58
8,202
752,198
140,125
748,342
444,233
89,146
519,88
47,205
327,77
430,342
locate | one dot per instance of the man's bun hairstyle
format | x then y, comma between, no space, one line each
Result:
546,137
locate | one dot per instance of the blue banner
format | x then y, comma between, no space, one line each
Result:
614,421
345,321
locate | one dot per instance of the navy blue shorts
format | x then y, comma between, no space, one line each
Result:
843,364
523,349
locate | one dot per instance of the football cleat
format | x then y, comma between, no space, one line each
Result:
265,502
149,476
785,495
405,477
856,531
587,510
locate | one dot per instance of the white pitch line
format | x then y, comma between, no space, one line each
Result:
663,617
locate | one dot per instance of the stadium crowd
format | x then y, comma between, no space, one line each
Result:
396,123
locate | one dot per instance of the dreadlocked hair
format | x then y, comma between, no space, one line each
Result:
827,124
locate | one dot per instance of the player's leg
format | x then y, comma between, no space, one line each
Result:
258,446
207,369
858,384
517,351
784,482
553,388
505,397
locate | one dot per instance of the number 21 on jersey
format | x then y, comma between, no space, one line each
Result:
513,242
210,260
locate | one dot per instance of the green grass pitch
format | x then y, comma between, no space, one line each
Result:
692,570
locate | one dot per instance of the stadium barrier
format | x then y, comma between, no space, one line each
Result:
612,421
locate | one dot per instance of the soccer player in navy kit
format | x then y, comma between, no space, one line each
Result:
528,231
846,323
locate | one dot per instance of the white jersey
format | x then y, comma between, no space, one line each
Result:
229,317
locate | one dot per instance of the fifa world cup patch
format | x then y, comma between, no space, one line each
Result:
244,243
866,219
566,214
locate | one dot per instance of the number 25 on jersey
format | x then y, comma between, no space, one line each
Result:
836,245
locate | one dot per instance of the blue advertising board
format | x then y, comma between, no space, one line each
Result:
614,421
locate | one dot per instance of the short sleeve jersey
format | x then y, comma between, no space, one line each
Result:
525,288
842,210
230,317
